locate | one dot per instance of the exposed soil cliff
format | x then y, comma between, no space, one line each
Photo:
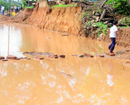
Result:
66,20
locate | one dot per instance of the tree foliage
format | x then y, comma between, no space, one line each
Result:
6,5
24,3
121,6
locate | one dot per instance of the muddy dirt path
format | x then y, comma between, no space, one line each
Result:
65,81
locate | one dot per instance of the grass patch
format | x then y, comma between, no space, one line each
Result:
102,28
30,7
61,5
84,14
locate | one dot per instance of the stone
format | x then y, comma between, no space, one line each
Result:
88,55
62,56
28,58
1,57
112,54
11,57
24,57
39,58
17,58
100,56
81,55
52,56
4,59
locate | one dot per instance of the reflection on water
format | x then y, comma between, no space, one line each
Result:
15,41
69,81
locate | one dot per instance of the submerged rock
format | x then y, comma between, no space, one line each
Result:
62,56
39,58
17,58
52,56
11,57
100,56
88,55
81,55
4,59
1,57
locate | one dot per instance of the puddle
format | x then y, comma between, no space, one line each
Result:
68,81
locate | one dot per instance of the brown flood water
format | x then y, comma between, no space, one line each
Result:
68,81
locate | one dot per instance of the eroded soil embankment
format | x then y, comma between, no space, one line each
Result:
58,19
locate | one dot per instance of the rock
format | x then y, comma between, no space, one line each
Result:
100,56
81,55
24,57
106,22
112,54
25,52
52,56
1,57
17,58
88,55
28,58
11,57
62,56
97,14
39,58
4,59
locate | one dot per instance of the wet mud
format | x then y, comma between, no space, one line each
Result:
69,81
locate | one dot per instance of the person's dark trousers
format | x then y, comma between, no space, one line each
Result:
112,45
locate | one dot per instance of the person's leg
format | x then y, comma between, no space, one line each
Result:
113,44
110,45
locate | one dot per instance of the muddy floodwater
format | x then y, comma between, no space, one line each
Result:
63,81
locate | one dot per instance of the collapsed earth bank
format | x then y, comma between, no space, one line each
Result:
66,20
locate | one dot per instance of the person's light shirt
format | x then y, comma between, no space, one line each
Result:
113,31
2,8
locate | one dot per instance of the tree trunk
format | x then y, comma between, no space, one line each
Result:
103,14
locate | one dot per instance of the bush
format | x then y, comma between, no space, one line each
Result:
30,7
102,28
24,3
121,6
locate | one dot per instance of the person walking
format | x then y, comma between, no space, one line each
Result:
2,9
12,8
113,34
16,9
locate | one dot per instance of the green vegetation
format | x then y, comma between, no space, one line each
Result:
126,20
102,28
24,3
84,14
123,26
95,5
90,16
6,5
121,6
88,9
61,5
30,7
